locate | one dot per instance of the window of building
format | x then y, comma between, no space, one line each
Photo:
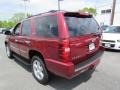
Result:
107,11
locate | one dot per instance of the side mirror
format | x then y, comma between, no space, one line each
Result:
17,34
7,33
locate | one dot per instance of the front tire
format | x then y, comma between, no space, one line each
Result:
8,51
39,70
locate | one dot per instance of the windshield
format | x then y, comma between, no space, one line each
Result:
104,27
79,26
113,29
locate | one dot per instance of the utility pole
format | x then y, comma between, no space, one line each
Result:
25,6
59,4
113,12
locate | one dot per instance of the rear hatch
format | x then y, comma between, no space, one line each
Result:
84,36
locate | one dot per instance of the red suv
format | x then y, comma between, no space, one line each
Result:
63,43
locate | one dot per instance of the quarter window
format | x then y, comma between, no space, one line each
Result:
47,26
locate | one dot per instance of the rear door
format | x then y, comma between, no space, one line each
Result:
84,36
24,39
47,40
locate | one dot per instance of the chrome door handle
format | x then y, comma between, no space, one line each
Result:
27,42
16,40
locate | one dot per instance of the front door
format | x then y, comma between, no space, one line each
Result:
14,39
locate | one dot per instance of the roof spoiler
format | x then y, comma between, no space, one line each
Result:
78,14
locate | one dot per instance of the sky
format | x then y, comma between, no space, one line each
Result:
9,7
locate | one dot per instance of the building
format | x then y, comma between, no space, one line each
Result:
104,13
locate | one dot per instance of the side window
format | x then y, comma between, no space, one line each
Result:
118,29
26,28
16,30
47,26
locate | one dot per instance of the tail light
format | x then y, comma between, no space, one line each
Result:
64,50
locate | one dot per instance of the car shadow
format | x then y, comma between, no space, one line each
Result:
26,67
111,50
59,83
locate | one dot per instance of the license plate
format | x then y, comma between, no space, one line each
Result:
107,45
91,46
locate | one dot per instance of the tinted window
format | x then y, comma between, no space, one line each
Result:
26,28
81,25
16,30
104,27
112,29
47,26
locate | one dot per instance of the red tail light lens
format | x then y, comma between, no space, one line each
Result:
64,50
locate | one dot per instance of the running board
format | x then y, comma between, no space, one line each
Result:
18,58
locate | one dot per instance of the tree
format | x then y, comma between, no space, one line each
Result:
13,21
89,10
0,24
7,24
17,17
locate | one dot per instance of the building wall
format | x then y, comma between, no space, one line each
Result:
105,18
117,13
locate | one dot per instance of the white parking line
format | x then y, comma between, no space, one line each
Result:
0,56
2,48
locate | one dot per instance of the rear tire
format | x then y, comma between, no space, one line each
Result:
39,70
8,51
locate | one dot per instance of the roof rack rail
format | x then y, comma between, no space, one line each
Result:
52,11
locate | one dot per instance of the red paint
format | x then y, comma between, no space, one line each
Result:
60,54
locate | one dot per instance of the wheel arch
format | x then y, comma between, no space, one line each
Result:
6,42
35,52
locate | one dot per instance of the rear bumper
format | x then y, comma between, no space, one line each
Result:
69,70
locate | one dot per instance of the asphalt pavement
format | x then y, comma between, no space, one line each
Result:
16,76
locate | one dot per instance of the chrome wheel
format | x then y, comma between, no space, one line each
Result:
7,51
38,69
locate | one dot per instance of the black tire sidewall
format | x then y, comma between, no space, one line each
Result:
45,72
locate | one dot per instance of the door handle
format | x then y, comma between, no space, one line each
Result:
16,40
27,42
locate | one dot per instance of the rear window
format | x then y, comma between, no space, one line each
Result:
81,25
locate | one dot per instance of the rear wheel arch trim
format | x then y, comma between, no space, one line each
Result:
36,52
6,42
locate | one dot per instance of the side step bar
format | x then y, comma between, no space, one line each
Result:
18,58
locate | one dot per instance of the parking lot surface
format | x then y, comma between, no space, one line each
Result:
16,76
